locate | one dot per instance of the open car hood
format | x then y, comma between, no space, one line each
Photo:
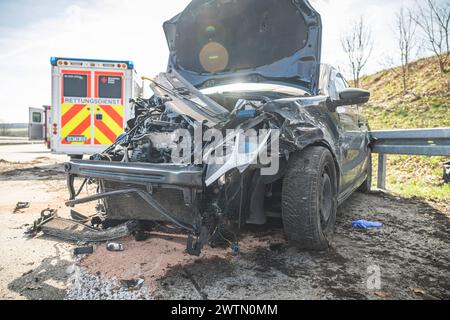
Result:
214,42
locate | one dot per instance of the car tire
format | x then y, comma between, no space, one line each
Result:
367,184
309,198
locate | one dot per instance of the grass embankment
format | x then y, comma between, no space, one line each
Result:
425,105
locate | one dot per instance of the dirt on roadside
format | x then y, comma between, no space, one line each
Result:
410,253
408,258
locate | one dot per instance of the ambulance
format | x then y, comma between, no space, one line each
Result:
90,103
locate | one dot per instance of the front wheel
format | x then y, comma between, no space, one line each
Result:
309,198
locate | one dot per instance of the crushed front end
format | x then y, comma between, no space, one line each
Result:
140,178
164,169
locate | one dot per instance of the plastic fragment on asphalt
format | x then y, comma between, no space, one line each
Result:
21,206
364,224
83,250
133,284
114,246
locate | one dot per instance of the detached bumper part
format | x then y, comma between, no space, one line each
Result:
53,225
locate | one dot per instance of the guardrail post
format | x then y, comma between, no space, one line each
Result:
381,181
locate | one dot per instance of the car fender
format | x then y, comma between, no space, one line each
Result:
305,122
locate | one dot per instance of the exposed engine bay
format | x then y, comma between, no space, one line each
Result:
160,170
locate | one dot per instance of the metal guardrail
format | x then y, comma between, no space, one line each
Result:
426,142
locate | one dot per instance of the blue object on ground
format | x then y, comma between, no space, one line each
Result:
235,249
364,224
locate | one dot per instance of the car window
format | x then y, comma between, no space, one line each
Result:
340,83
332,89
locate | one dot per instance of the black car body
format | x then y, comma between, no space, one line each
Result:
249,64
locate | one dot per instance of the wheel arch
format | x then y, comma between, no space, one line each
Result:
325,144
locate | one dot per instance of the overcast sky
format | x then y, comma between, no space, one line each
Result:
33,31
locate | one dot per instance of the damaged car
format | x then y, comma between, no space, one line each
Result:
245,124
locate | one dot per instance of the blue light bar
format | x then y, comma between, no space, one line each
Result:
54,61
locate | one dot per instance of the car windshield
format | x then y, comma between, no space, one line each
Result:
255,87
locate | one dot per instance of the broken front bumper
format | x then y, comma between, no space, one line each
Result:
138,173
141,191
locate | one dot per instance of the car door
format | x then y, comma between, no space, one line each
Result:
352,138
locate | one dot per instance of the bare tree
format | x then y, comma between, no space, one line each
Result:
434,21
358,45
406,29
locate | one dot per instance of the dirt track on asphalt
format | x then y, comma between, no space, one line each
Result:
410,253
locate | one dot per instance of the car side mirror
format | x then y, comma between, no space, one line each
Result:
347,97
352,96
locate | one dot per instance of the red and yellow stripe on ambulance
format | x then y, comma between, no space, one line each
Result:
75,109
75,123
77,119
109,107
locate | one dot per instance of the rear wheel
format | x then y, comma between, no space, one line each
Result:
309,198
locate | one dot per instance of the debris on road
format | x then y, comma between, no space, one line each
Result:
133,284
46,216
235,249
48,212
51,224
382,294
21,206
424,294
364,224
114,246
75,231
140,235
83,250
